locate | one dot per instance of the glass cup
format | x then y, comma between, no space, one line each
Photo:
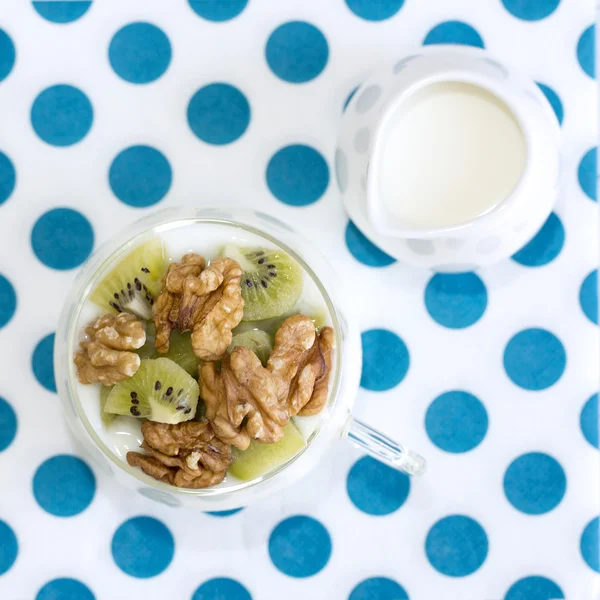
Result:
336,419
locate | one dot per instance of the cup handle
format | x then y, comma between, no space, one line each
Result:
383,448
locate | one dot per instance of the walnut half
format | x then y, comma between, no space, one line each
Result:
208,301
185,455
301,362
104,356
242,400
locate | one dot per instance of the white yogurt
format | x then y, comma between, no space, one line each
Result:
207,239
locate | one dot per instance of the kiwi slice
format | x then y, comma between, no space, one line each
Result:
134,283
260,342
160,391
271,283
107,418
271,326
180,349
260,458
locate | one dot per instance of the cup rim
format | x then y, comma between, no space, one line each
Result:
101,261
375,208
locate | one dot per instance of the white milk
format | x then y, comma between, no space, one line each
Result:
207,239
452,152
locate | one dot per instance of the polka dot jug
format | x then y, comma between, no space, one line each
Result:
337,421
359,160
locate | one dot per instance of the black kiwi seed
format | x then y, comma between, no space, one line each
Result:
260,253
157,386
138,285
261,261
128,285
134,411
133,395
135,401
271,267
180,392
249,283
116,296
115,306
264,283
145,270
179,407
169,391
272,274
187,411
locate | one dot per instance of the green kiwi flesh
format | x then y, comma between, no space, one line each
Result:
260,458
134,283
160,391
272,281
260,342
107,418
180,350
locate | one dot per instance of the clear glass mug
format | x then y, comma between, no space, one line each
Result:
336,421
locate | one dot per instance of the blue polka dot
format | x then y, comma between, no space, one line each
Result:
218,10
534,588
9,547
297,52
64,485
535,483
545,245
585,51
224,513
65,589
454,32
62,238
218,113
7,178
534,359
221,588
8,301
456,421
143,547
300,546
456,546
297,175
531,10
61,115
385,360
378,588
7,54
349,98
588,296
375,488
455,300
588,420
61,11
590,544
8,424
554,101
42,363
365,251
140,176
586,173
139,52
375,10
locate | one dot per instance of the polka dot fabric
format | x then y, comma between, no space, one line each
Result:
111,113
